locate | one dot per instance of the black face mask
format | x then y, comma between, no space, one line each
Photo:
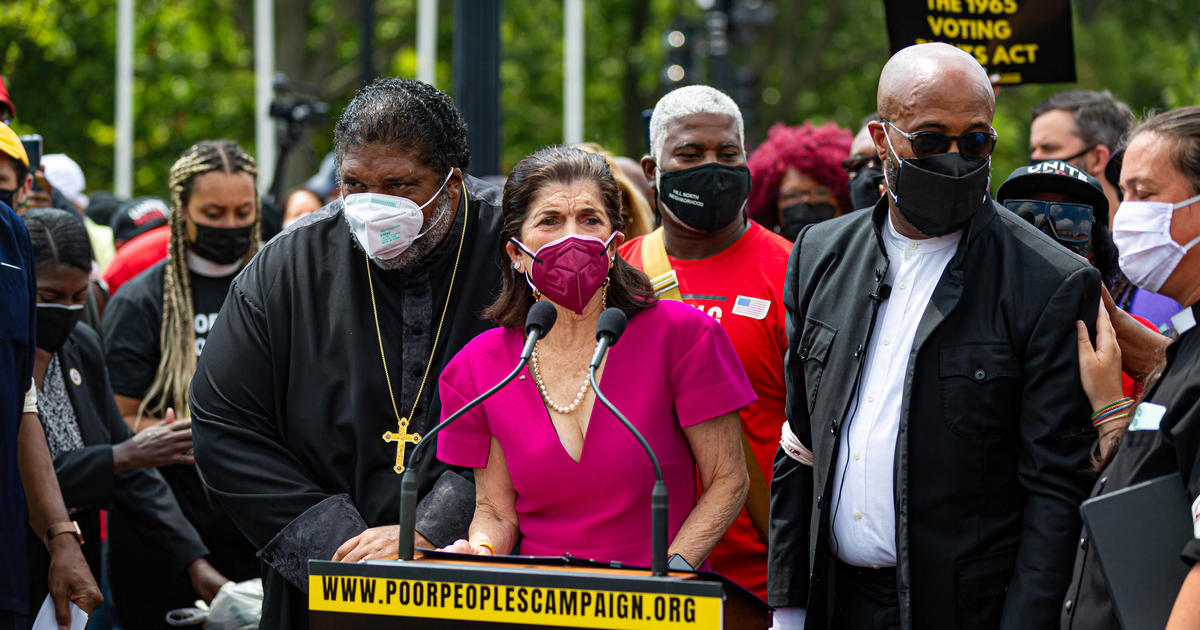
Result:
795,217
9,197
864,188
223,246
706,197
55,323
940,193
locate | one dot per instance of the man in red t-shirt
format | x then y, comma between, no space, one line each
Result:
727,266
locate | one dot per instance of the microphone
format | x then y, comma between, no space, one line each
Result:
881,292
538,323
608,331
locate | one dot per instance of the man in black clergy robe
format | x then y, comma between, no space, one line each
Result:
939,435
291,400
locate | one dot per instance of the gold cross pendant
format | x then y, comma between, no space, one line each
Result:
402,438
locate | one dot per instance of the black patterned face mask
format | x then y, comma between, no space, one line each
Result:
706,197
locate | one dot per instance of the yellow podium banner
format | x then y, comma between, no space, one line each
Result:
526,605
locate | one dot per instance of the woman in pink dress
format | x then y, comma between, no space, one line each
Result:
555,472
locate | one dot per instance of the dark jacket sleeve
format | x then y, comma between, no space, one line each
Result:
1053,467
86,474
240,451
1185,437
791,483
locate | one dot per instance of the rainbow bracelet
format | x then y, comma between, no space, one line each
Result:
1100,418
1117,403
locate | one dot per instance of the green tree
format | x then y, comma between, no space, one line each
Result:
790,61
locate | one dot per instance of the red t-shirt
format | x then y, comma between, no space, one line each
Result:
742,288
136,256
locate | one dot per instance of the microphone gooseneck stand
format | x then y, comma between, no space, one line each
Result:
538,323
608,331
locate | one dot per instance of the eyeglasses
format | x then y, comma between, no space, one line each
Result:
1067,222
973,144
855,163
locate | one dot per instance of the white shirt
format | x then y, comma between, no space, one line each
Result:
863,498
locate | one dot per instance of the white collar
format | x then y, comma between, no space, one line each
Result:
209,269
918,246
1184,320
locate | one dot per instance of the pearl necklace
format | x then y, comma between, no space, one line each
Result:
537,379
537,373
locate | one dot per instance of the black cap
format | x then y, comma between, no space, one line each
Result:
1056,176
138,216
101,207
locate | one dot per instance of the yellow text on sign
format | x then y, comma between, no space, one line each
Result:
503,603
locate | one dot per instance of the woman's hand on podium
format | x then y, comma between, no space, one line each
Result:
377,543
479,548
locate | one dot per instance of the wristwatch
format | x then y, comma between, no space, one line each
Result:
65,527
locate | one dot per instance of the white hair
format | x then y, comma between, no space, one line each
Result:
685,101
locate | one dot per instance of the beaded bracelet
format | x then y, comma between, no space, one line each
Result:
1109,406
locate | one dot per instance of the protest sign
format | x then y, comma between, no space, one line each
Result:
1017,41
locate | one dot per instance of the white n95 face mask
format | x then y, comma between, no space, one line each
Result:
386,225
1142,233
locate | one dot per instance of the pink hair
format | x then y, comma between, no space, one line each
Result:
815,151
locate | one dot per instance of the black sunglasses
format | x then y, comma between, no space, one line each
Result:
853,164
973,144
1067,222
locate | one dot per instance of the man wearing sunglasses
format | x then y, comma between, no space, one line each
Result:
864,168
1061,200
936,447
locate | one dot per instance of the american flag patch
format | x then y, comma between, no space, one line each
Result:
753,308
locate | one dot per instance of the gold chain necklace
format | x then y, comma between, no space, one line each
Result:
402,437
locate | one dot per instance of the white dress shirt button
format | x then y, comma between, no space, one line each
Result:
858,516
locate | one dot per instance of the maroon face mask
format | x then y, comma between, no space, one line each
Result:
568,270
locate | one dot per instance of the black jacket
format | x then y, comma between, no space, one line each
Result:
289,402
1144,455
991,457
86,477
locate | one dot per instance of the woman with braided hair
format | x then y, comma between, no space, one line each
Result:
153,333
98,461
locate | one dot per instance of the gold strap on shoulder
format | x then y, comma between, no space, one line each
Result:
656,265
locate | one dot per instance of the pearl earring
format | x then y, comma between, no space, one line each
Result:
517,266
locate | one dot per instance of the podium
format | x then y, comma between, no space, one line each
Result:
441,591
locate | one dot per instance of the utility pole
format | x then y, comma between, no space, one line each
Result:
477,80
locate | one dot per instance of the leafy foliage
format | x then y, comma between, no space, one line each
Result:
790,61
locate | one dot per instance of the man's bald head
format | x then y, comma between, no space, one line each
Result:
922,72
